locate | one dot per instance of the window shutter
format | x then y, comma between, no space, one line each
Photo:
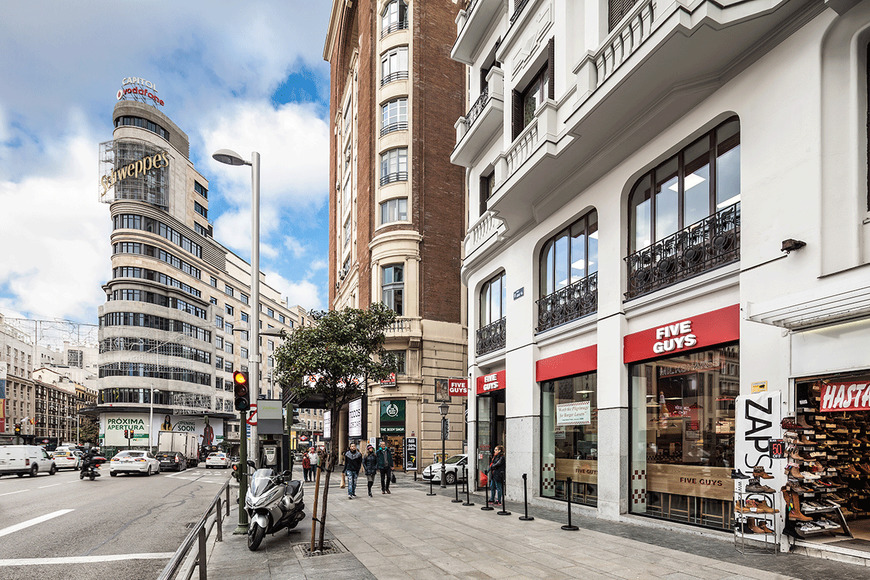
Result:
517,114
551,59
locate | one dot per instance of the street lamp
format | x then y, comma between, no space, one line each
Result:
232,158
151,417
443,408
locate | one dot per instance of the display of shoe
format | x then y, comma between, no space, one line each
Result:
797,456
793,471
789,423
737,474
754,527
758,488
763,526
761,473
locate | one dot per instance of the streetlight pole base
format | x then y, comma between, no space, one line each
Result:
241,530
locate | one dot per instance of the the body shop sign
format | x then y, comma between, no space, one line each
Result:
845,396
491,382
708,329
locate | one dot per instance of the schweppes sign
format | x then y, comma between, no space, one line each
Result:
134,169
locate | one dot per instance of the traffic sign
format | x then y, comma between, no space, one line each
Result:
252,415
303,437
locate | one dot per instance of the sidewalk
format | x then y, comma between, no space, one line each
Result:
410,535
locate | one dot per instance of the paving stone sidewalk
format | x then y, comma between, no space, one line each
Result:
408,534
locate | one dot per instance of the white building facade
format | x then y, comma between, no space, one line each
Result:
668,209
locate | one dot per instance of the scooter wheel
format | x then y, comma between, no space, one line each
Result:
93,477
255,536
82,475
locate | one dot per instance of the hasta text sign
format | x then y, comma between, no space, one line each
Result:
703,330
845,396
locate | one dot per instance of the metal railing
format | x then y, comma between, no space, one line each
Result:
394,76
703,246
393,177
400,25
398,126
477,108
199,534
569,303
492,336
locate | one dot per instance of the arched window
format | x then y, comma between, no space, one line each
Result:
493,296
394,17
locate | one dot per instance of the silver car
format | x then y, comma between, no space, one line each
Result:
453,469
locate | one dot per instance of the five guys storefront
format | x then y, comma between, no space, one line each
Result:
684,377
490,419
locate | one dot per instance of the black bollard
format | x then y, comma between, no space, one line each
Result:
503,511
569,527
486,507
527,517
455,488
431,479
467,492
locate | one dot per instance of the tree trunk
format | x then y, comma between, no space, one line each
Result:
317,471
330,465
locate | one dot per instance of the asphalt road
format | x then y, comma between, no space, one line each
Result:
114,527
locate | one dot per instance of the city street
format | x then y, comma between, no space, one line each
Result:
114,527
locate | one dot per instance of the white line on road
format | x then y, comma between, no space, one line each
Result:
33,522
11,492
52,485
84,559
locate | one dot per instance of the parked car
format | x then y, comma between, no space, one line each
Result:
452,469
217,459
171,460
134,462
66,459
25,460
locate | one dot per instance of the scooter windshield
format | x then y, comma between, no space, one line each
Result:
261,481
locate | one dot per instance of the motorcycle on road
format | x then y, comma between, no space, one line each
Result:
273,502
91,467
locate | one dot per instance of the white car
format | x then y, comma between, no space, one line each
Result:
134,462
66,459
453,469
217,460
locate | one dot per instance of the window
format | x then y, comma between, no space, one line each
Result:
229,309
228,289
228,347
243,298
244,316
200,210
394,210
394,116
219,321
218,362
213,281
394,65
201,230
535,94
394,17
493,299
570,255
401,357
244,353
243,335
142,123
700,180
219,342
487,186
282,319
393,286
228,328
200,189
270,345
394,165
213,300
228,366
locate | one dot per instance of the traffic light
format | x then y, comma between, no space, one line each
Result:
132,436
126,434
295,419
241,388
18,428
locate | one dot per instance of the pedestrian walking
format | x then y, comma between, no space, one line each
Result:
496,474
370,466
385,466
306,467
352,464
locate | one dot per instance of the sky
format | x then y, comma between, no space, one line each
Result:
241,76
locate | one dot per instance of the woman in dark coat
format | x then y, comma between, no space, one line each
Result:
370,466
496,474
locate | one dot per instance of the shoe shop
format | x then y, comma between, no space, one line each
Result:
685,377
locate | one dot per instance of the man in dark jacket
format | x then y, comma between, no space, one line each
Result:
385,466
352,465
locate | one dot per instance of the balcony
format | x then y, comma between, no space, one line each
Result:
569,303
394,27
481,235
471,25
394,177
483,120
491,337
703,246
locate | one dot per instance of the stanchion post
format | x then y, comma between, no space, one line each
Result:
569,527
527,517
486,507
467,491
503,511
456,488
431,479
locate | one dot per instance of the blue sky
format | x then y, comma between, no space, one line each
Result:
243,76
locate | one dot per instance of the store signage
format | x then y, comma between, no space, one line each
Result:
354,418
703,330
458,387
390,381
571,363
491,382
579,413
3,366
327,424
392,411
410,454
758,435
691,480
758,387
845,396
134,169
139,89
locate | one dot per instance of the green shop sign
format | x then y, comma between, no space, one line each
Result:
392,412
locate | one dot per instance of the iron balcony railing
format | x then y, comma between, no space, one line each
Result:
569,303
491,337
394,76
703,246
400,25
477,108
393,177
520,4
400,126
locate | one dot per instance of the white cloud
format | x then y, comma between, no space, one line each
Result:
295,246
318,265
303,293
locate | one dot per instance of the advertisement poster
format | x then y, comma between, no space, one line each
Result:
112,427
3,396
354,418
327,425
410,454
579,413
442,390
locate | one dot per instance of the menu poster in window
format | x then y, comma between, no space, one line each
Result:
579,413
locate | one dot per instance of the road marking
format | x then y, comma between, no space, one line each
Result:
52,485
85,559
11,492
33,522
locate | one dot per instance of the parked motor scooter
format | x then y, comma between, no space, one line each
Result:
273,502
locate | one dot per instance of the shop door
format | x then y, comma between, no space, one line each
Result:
396,444
490,431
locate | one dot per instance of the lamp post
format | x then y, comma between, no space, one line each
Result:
151,417
443,408
232,158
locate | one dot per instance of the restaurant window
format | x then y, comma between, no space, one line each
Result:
569,439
